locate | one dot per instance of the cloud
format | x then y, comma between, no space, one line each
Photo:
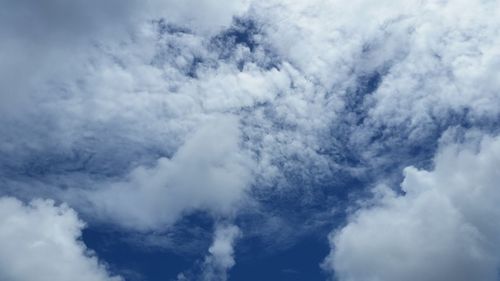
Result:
139,112
209,172
207,16
220,258
447,66
433,63
41,241
442,228
59,37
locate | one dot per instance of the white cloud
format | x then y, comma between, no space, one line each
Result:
221,257
448,66
435,56
443,228
221,254
221,250
41,242
209,172
115,117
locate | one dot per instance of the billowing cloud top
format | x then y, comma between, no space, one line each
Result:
255,121
40,241
442,228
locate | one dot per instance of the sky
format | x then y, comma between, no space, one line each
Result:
249,140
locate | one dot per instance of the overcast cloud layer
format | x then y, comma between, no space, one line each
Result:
376,122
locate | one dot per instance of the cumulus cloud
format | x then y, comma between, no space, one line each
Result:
442,228
41,241
209,172
220,258
221,251
139,112
450,55
405,69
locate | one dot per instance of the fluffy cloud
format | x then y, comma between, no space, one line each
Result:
448,65
220,259
406,69
41,241
60,36
429,52
442,228
208,172
221,252
139,112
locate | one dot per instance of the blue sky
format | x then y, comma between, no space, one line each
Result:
249,140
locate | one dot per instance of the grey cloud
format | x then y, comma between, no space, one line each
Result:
45,40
